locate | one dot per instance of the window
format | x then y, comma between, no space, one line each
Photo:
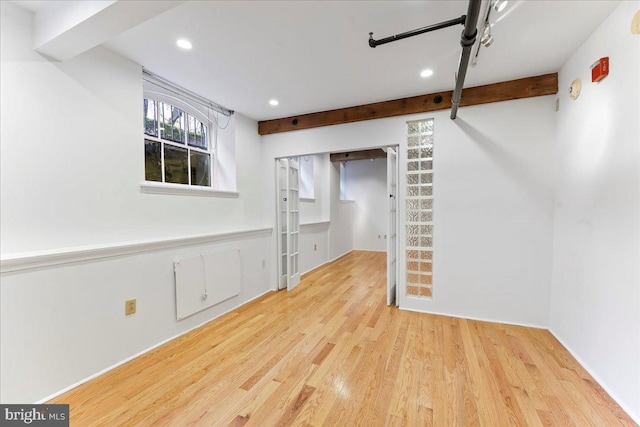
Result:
419,200
189,142
344,193
307,190
177,145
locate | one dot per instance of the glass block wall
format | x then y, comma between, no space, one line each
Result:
419,200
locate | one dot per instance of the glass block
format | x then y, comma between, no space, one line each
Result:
413,141
426,190
413,191
426,216
426,165
426,140
150,109
152,161
413,278
171,123
426,279
200,169
426,152
426,255
413,128
425,126
413,203
412,254
413,266
413,229
426,242
413,165
424,291
426,230
412,216
426,178
426,204
413,179
197,136
176,165
426,267
413,153
413,241
413,290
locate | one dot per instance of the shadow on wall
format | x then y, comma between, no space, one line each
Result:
509,164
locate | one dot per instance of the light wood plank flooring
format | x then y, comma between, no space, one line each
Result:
331,353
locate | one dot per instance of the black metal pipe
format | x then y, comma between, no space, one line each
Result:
428,28
467,40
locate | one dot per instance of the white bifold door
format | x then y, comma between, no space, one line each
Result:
392,241
288,223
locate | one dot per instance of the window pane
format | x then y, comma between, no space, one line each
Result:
200,169
171,123
197,133
175,165
150,117
152,161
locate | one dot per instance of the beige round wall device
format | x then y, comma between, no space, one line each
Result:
575,89
635,23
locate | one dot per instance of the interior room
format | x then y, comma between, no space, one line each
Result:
392,170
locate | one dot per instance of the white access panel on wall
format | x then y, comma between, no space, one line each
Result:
205,280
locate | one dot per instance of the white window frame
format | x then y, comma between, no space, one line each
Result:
157,89
211,130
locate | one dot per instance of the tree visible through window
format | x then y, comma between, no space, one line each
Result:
177,146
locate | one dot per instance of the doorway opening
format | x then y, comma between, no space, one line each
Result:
318,229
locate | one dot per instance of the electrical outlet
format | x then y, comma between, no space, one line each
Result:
315,247
129,307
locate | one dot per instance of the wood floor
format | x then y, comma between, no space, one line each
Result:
331,353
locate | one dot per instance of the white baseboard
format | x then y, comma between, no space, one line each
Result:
634,416
128,359
479,319
340,256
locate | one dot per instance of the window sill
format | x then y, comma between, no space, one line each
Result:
347,201
184,190
307,199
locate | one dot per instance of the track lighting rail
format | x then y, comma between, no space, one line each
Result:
428,28
467,40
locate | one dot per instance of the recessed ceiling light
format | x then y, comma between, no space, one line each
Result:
273,102
426,73
184,43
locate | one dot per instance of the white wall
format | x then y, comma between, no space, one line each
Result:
595,306
341,228
314,218
493,203
314,246
318,209
367,182
71,164
72,148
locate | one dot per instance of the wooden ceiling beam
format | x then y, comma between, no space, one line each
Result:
376,153
505,91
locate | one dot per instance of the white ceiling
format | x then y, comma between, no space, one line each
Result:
314,55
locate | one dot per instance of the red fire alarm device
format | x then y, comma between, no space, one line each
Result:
600,69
